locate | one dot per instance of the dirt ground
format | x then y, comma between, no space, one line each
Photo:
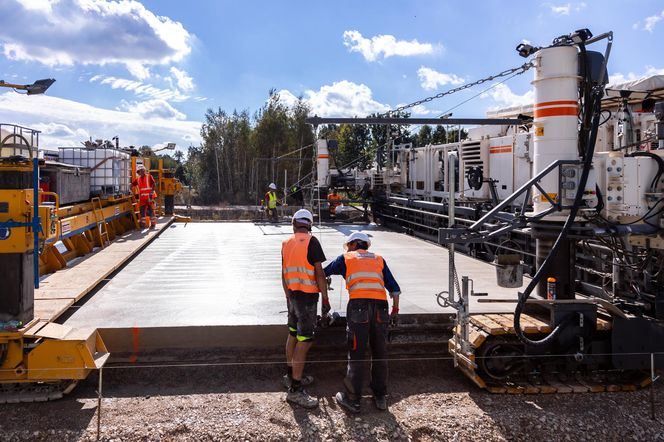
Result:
426,403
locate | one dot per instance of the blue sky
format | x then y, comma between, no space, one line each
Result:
147,71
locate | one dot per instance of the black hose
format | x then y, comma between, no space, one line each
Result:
587,165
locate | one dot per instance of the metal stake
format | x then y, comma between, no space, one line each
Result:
652,386
99,398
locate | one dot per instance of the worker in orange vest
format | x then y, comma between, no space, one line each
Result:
302,279
146,196
333,197
367,278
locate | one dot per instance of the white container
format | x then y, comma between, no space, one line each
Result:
110,168
322,163
556,107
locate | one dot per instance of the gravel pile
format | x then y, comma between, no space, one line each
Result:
208,405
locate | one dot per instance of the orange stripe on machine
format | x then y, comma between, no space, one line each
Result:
564,111
323,156
500,149
556,103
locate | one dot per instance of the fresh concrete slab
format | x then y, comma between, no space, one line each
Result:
218,274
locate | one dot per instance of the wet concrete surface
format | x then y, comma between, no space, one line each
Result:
219,274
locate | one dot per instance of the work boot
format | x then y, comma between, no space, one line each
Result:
306,380
380,402
347,403
302,398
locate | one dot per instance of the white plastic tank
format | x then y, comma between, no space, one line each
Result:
21,140
322,163
110,168
556,112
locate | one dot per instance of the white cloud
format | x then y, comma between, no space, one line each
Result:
67,122
68,32
421,110
431,79
565,9
650,22
503,96
385,46
340,99
155,108
619,77
141,89
184,81
561,9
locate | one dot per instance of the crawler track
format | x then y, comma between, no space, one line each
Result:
498,361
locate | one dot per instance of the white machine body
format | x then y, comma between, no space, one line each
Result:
322,163
556,115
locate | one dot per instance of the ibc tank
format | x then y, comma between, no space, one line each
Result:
110,168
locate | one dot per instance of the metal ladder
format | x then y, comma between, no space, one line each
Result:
102,227
135,211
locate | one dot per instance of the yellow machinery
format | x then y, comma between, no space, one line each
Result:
167,185
39,360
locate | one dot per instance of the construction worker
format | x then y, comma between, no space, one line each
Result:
146,195
367,277
271,202
333,197
302,279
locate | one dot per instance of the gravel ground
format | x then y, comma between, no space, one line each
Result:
206,404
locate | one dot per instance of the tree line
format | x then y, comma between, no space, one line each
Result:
241,154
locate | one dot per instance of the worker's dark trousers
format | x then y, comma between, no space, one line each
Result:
367,321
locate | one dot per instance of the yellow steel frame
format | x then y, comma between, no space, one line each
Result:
48,352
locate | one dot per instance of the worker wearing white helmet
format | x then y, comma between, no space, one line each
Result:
367,280
147,194
271,202
302,279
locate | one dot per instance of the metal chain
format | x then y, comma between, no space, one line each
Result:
516,71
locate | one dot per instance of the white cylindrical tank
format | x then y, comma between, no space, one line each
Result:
322,163
556,113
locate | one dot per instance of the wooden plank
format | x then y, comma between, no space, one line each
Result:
555,383
60,290
541,325
496,389
593,387
515,388
529,325
504,323
603,324
488,324
477,336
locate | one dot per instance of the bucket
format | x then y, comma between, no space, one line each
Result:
509,272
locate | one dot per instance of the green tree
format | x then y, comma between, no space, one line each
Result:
424,136
439,135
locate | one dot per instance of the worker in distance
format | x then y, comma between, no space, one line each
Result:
367,279
146,195
303,279
271,202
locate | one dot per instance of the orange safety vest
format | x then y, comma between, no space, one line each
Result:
364,275
145,187
333,206
298,273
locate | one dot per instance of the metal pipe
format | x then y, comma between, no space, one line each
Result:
450,224
36,221
317,121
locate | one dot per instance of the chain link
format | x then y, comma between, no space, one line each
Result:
516,71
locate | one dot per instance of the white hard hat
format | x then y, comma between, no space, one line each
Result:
272,186
303,216
358,236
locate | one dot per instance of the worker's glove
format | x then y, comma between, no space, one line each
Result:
326,307
394,316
